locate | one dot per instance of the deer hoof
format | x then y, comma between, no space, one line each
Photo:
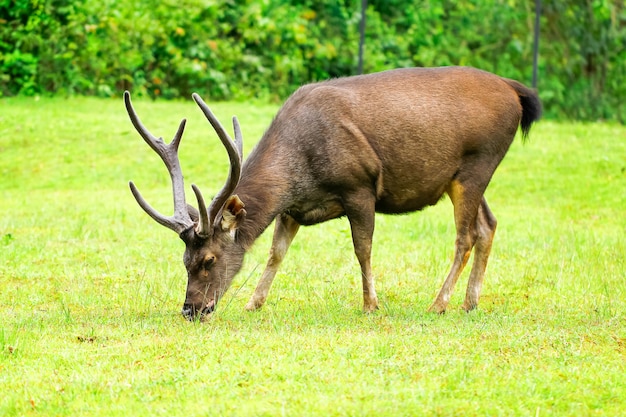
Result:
469,306
254,304
437,308
371,306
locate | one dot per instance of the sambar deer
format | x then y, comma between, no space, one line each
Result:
389,142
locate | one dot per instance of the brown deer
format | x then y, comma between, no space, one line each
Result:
389,142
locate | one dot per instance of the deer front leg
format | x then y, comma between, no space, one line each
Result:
360,213
285,230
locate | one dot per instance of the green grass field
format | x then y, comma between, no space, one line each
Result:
91,288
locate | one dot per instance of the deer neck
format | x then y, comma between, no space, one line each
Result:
263,196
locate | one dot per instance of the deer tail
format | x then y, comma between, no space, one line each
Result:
531,105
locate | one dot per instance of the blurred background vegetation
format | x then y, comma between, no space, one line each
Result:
241,49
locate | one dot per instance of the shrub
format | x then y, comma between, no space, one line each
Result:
230,49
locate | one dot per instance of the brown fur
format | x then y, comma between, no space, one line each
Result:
390,142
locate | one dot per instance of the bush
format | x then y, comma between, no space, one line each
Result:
230,49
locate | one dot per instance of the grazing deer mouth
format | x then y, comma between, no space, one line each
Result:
190,312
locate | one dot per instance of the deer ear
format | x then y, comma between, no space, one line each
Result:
233,214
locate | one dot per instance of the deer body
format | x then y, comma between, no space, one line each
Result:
390,142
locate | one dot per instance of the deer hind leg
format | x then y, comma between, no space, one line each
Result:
466,201
285,230
485,229
360,209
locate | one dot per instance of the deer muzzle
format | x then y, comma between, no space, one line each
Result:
192,312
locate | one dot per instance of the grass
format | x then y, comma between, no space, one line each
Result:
91,288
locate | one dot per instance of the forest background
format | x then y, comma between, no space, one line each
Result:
238,50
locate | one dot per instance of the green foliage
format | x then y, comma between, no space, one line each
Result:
593,55
228,49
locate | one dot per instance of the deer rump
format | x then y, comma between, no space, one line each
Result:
389,142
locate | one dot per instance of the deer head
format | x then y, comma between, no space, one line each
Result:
212,254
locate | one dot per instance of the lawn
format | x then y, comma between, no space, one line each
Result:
91,288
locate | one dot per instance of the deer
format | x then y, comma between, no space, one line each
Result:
390,142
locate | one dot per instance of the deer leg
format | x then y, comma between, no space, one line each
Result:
465,211
285,230
485,227
360,212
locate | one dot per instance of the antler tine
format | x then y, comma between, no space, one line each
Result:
168,153
238,137
204,227
235,154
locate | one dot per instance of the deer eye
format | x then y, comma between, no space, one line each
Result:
208,262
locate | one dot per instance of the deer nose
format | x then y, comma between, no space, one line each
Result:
189,311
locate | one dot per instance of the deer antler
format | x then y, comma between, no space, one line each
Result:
235,154
181,220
